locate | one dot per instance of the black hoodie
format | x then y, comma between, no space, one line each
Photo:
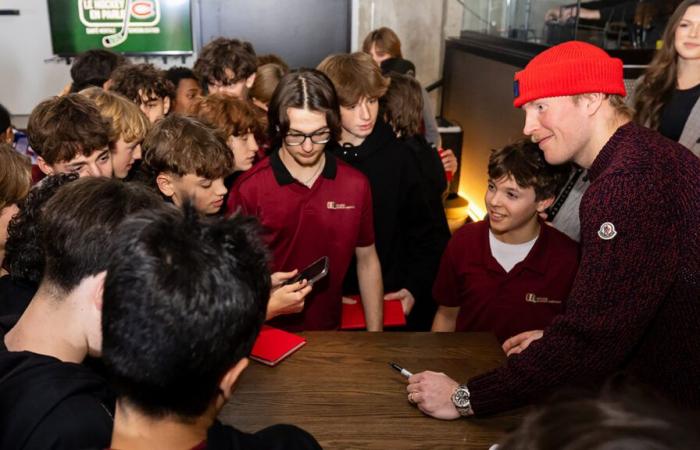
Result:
46,403
409,240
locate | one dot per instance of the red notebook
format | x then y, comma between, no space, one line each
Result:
353,317
273,345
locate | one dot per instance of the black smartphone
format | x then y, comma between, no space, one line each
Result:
314,272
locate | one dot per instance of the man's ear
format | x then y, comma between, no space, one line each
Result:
44,166
99,289
542,205
228,382
166,105
8,136
164,181
593,101
249,81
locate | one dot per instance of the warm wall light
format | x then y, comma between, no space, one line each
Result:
474,209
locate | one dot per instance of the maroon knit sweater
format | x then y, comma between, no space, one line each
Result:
635,302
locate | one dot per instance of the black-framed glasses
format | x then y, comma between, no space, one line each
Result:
317,137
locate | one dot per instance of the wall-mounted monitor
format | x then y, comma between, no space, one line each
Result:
132,27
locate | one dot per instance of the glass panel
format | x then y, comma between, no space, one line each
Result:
528,20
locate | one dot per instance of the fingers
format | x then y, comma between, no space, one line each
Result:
512,342
280,277
520,342
398,295
349,301
415,398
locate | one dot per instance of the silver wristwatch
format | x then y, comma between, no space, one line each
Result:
460,398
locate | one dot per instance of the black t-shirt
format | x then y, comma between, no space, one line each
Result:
15,295
46,403
675,112
276,437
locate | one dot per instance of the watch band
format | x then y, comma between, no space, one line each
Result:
464,409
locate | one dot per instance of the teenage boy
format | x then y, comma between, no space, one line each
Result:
48,399
94,68
227,66
187,160
312,205
409,242
187,89
69,135
129,128
634,303
146,86
509,273
171,386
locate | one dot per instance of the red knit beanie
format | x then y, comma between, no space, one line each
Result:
570,68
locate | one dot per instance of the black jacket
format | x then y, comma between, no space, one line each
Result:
276,437
408,239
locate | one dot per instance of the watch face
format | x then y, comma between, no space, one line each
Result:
461,398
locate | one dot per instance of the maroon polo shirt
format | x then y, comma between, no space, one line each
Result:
526,298
302,224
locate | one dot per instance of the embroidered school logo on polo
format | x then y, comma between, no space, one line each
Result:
533,298
607,231
334,205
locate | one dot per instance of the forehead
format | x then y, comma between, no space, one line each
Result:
80,158
508,182
193,178
148,96
187,84
305,120
550,102
692,13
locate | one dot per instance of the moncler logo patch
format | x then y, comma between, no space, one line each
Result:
607,231
334,205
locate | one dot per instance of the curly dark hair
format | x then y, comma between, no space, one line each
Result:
24,257
141,83
221,54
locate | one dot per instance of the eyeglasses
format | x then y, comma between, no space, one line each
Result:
317,137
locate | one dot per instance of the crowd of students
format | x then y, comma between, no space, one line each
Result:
168,212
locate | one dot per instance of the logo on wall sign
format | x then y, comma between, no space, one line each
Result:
117,18
607,231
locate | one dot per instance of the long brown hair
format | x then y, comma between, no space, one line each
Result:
661,76
384,40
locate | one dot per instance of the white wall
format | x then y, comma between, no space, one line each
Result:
28,72
422,26
25,42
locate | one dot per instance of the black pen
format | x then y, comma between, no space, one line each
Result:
401,370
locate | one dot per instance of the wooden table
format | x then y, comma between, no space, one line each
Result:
340,388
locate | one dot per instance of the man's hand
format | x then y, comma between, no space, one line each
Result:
520,342
286,299
407,299
432,394
449,160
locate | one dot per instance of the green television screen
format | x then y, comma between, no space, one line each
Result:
161,27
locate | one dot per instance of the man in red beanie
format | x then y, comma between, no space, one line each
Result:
635,303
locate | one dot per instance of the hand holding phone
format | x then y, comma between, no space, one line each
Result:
314,272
